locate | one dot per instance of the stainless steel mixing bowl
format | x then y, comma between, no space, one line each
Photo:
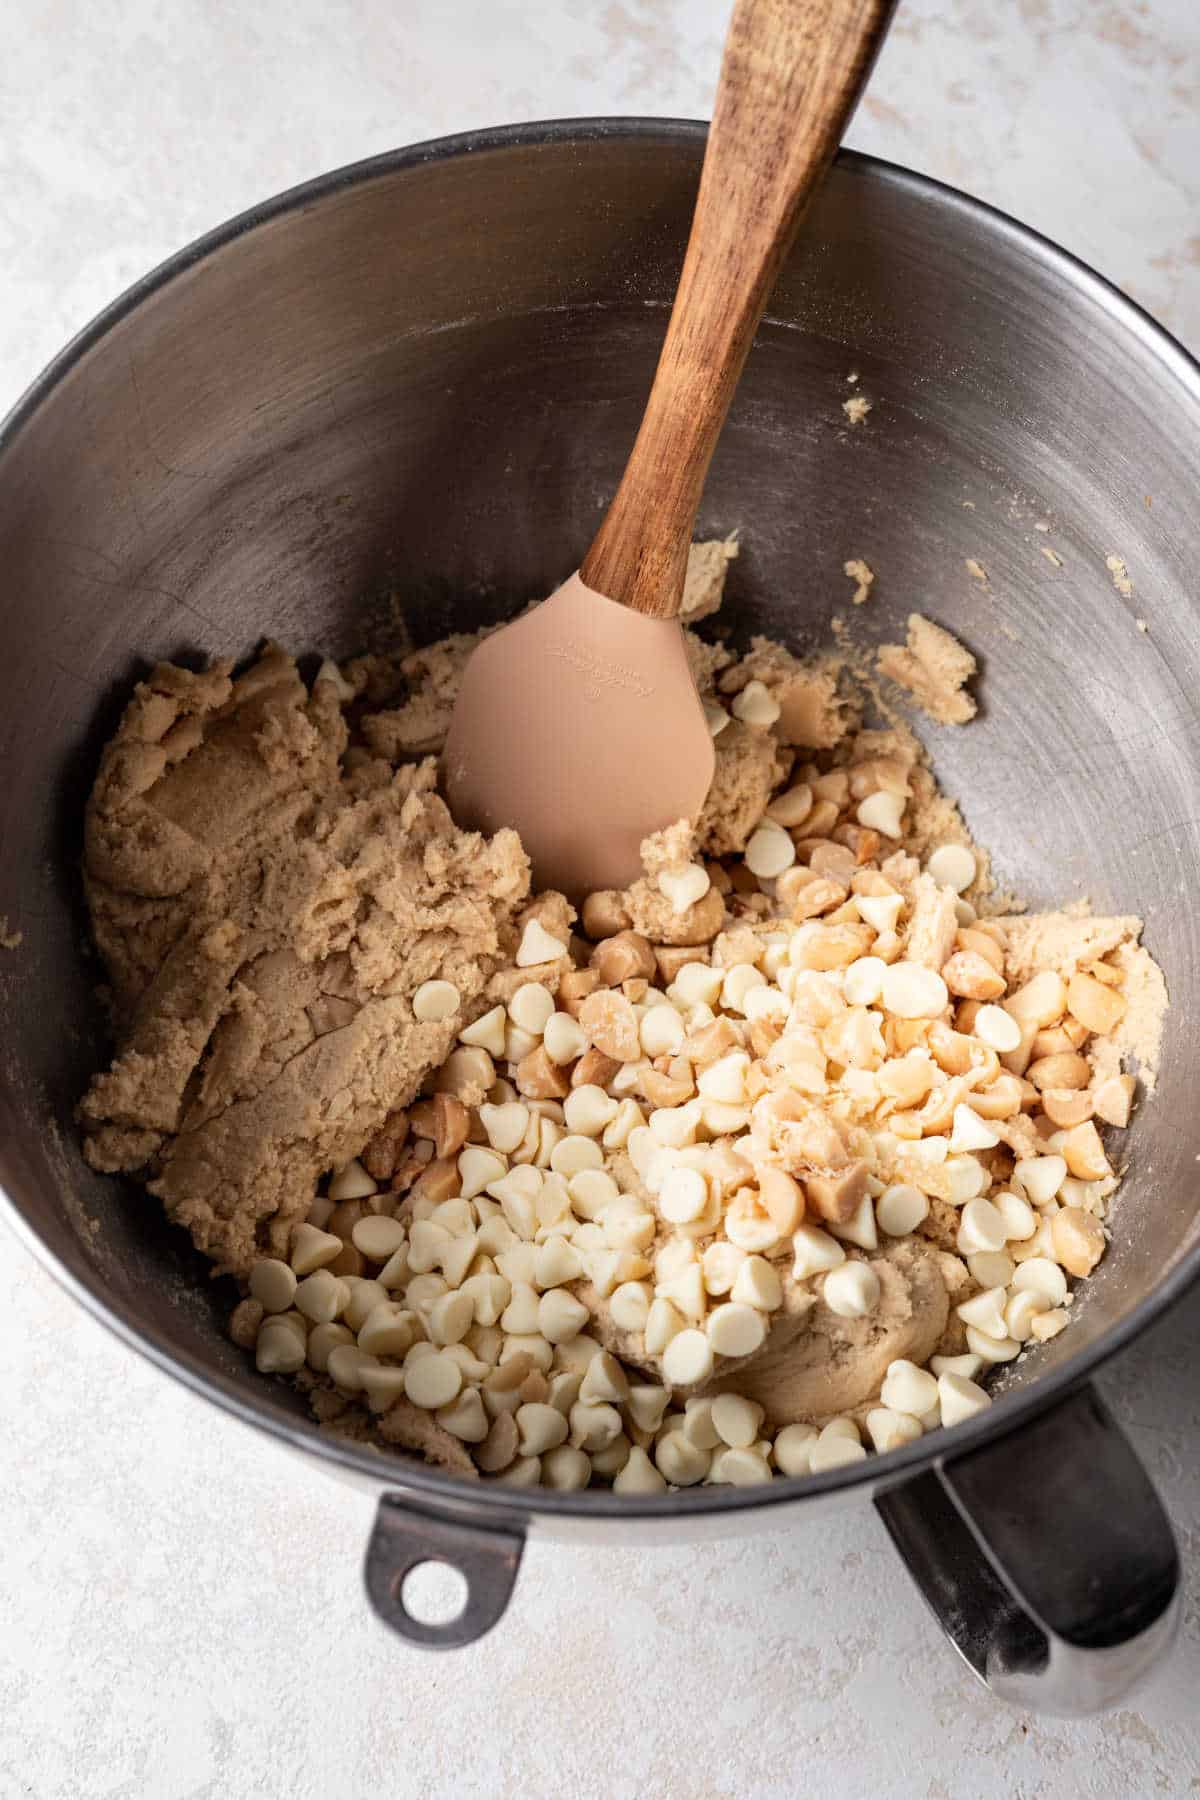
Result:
402,395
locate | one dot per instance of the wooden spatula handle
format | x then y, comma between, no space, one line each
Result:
790,76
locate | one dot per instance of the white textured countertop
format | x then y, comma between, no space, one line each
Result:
182,1614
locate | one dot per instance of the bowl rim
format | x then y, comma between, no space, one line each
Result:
490,1503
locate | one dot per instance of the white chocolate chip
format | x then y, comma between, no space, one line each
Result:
435,1001
970,1132
888,1429
851,1291
725,1079
952,866
541,1428
983,1311
450,1318
908,1389
697,984
739,1468
537,946
755,705
278,1349
594,1425
566,1468
587,1109
683,1196
720,1263
834,1452
1039,1177
531,1008
378,1238
478,1167
735,1330
680,1461
430,1381
882,812
684,887
629,1305
347,1366
273,1284
575,1153
320,1297
880,911
661,1031
769,852
862,983
322,1339
757,1284
900,1209
312,1249
1021,1311
991,1268
487,1033
980,1227
991,1349
961,1398
737,984
351,1182
688,1358
605,1379
561,1316
736,1420
815,1252
793,1449
1038,1275
1020,1220
505,1125
464,1417
639,1476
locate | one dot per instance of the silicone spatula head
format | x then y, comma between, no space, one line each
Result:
579,724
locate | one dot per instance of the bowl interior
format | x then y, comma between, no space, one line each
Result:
397,405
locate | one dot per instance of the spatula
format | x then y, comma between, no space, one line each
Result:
580,723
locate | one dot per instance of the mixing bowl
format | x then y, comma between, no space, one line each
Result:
394,402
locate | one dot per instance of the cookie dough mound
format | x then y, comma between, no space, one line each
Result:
266,918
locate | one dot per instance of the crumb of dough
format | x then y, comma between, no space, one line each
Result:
976,571
1052,556
934,667
668,850
1120,575
816,707
9,940
856,408
859,572
266,914
704,586
749,767
1142,624
852,378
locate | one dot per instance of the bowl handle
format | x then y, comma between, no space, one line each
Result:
1047,1557
405,1535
